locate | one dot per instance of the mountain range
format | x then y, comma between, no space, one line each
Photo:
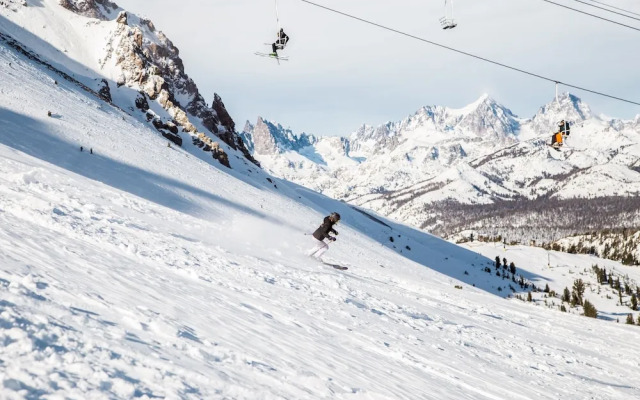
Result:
480,155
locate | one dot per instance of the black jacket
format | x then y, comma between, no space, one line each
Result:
323,231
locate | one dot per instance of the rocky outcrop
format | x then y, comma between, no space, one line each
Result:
267,138
104,91
99,9
150,63
141,102
13,5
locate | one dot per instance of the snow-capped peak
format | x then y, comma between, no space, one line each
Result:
566,107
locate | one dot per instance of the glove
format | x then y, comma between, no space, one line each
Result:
332,238
336,233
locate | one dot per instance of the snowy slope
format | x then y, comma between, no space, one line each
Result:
560,270
134,65
143,271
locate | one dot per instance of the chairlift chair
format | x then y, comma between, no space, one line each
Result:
447,21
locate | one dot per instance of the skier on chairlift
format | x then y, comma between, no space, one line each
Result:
565,127
557,138
280,43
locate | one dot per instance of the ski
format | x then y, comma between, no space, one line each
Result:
336,266
269,55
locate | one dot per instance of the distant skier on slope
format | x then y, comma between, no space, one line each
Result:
323,232
279,44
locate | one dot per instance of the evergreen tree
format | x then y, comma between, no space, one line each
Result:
529,297
638,319
627,288
634,302
598,273
630,320
574,300
578,290
546,288
620,295
563,308
566,295
497,262
504,262
590,310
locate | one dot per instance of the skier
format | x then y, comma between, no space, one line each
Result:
323,233
279,44
556,139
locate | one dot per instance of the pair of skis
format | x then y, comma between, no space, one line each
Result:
336,266
271,55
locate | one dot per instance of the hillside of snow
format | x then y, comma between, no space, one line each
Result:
130,63
133,269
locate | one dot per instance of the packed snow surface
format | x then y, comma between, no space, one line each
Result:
143,271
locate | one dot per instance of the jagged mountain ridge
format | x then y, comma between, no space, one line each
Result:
268,138
479,154
131,64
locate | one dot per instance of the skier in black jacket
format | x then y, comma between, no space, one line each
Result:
279,44
323,232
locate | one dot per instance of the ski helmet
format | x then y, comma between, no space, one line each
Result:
335,216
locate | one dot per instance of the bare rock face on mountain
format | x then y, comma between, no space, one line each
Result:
99,9
263,141
13,5
230,127
266,138
151,63
104,91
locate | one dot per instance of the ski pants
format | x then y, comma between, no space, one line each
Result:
318,250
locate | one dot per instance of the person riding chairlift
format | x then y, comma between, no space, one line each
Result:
279,43
564,127
557,138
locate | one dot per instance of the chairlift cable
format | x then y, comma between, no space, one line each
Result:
605,9
592,15
614,7
467,54
277,17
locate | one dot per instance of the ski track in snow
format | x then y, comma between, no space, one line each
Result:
145,272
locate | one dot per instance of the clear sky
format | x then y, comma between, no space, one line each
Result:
343,73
